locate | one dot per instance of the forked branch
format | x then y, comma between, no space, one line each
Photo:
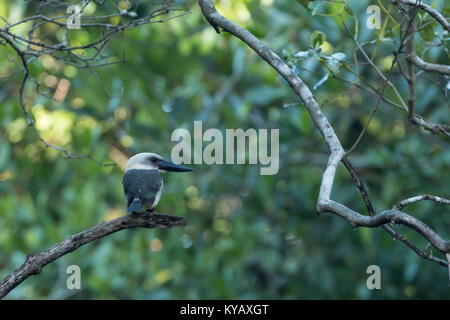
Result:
336,151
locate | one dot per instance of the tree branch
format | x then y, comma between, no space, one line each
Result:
408,201
358,182
426,66
30,47
35,262
324,203
432,12
410,52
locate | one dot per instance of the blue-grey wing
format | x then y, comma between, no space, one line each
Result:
141,184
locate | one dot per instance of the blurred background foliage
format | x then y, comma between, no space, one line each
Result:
248,236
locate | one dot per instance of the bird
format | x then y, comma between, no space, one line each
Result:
142,181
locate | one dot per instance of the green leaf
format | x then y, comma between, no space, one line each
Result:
304,3
264,94
348,9
334,61
317,38
427,33
446,11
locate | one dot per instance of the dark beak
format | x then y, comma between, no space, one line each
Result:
169,166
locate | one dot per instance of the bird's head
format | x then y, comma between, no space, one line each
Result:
153,161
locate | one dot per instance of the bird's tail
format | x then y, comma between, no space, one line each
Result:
134,206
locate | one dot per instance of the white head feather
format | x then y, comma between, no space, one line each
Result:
142,161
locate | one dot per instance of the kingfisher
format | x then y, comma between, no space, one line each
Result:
143,182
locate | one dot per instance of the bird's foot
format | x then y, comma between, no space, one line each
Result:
152,211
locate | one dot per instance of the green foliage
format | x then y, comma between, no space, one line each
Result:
426,29
248,236
317,39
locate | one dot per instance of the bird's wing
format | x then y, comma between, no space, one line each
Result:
141,184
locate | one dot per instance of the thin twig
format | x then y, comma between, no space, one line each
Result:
386,80
402,204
